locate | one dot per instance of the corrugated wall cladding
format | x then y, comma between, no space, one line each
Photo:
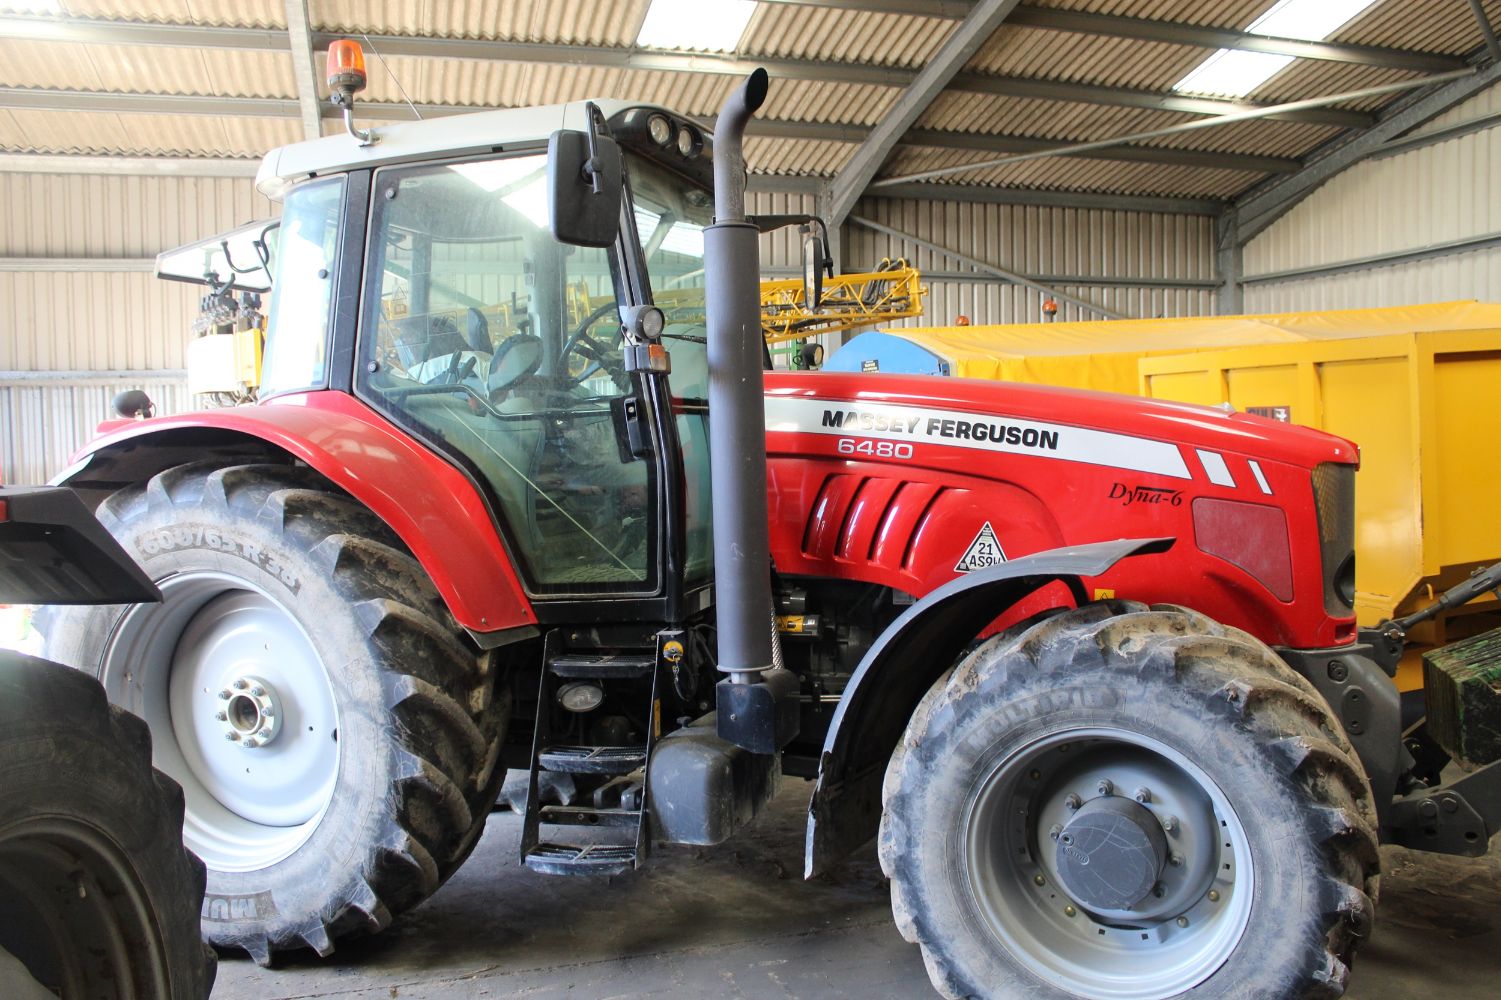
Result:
1474,275
1420,198
44,424
67,215
1042,242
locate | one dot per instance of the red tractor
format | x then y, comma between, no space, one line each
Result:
1087,665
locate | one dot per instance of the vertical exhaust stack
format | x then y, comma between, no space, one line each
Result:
757,702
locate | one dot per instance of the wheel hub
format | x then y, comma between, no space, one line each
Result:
250,712
1111,853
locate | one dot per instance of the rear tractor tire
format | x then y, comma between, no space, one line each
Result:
1128,803
335,733
98,896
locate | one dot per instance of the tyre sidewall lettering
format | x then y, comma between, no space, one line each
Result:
218,539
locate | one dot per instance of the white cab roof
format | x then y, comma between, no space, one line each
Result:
453,135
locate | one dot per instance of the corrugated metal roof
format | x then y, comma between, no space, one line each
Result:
567,22
240,13
833,37
854,36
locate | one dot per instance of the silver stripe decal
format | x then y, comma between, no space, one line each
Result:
980,431
1260,479
1215,468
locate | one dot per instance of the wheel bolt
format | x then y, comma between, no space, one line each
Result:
1055,831
1069,911
225,695
222,716
1175,859
268,712
1182,921
1170,824
1214,895
241,684
258,692
232,737
1143,795
1073,801
1106,787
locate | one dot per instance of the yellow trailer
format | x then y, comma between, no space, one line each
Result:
1416,387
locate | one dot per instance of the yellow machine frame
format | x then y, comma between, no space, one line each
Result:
894,290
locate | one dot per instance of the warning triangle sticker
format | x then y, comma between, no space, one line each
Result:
984,551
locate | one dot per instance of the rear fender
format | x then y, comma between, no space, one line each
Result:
430,504
903,664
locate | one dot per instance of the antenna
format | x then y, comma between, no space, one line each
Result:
387,67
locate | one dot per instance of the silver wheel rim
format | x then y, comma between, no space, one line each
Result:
241,712
1173,939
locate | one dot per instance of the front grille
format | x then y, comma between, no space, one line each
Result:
1334,496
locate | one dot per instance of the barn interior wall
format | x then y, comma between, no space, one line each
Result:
82,316
1415,200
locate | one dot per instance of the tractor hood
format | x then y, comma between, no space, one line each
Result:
928,403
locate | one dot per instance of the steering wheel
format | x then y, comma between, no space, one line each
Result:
596,354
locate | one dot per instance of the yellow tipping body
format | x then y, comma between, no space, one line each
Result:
1417,387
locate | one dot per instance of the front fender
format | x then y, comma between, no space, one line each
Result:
431,506
902,664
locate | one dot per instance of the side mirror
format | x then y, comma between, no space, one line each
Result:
814,256
584,188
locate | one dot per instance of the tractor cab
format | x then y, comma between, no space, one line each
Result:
433,266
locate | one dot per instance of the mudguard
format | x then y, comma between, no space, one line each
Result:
903,663
429,503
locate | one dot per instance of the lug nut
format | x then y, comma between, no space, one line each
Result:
259,692
241,684
1039,880
232,737
1055,831
1170,824
222,716
1069,911
252,742
268,712
1182,921
1214,895
1106,787
225,695
1175,859
1143,795
1073,801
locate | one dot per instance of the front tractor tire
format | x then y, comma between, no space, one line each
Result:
1128,803
336,735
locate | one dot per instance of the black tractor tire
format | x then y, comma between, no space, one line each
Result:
417,715
1024,733
98,896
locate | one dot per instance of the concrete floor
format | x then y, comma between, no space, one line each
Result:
738,921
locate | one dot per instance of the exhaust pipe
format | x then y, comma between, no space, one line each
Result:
757,701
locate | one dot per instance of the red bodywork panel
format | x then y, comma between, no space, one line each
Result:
427,501
892,479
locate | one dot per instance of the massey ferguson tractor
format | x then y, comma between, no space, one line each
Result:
1087,666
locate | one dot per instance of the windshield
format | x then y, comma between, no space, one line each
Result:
671,216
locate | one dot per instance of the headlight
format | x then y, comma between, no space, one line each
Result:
660,129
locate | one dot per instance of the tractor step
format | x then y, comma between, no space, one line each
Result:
592,760
593,859
602,667
590,816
